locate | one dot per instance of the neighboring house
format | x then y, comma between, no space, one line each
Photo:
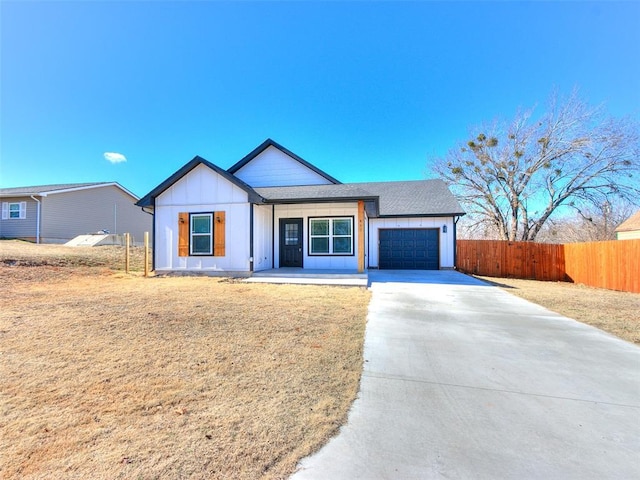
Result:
630,228
273,209
58,213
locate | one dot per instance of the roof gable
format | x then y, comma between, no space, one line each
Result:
384,199
149,199
270,164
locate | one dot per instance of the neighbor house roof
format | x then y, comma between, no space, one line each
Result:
408,198
44,190
270,143
149,199
630,224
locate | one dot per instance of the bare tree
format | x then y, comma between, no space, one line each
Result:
590,224
513,178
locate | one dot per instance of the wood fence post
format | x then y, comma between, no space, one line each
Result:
146,254
127,253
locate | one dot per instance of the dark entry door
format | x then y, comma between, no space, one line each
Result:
409,249
291,242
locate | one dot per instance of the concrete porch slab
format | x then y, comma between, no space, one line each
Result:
310,277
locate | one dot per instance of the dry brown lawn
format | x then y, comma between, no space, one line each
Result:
107,375
614,312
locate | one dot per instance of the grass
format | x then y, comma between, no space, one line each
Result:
14,253
107,375
615,312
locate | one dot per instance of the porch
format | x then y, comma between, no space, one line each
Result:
310,277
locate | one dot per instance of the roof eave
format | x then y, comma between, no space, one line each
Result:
45,193
23,194
319,200
417,215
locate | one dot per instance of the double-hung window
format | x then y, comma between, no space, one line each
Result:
331,236
201,234
14,210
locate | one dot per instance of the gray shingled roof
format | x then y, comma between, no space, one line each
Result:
57,188
346,191
417,197
38,189
408,198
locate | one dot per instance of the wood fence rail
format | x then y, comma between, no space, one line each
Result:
614,265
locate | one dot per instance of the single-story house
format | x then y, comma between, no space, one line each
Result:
273,209
59,213
630,228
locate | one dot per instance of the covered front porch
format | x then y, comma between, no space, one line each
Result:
309,276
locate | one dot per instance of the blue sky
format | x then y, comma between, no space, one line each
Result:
366,91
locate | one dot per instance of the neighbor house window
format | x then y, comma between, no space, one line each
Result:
201,238
17,210
331,236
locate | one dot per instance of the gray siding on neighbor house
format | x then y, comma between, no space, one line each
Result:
69,214
20,227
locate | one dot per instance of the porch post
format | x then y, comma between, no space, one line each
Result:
360,236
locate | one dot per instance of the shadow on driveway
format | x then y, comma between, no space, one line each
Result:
433,277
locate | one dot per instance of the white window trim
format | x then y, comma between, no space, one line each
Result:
330,237
192,234
6,210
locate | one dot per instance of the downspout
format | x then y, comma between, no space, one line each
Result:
37,219
251,237
455,243
273,237
153,239
368,242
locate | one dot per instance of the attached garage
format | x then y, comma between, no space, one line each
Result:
409,249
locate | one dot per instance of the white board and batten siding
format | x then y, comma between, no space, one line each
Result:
274,168
203,190
305,211
445,239
262,238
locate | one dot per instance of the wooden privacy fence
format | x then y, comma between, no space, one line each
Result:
614,264
496,258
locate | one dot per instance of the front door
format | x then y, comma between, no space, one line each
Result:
291,242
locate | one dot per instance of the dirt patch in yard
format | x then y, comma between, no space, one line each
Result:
107,375
15,253
614,312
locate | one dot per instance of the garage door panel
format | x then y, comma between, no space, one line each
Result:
409,249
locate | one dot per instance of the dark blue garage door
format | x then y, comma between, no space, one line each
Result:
409,249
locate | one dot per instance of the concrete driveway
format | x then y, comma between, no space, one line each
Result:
465,381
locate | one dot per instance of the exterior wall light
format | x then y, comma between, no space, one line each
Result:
444,229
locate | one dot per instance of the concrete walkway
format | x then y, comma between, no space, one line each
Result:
465,381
